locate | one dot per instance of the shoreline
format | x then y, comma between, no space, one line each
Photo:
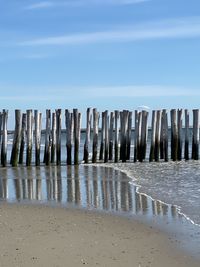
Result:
40,235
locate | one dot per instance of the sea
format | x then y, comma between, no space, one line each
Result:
164,194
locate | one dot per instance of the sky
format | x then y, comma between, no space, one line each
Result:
108,54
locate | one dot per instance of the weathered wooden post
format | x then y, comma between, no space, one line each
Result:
139,135
53,135
180,126
23,138
174,135
106,136
77,126
47,148
87,136
153,136
186,148
129,132
69,133
1,117
195,139
95,135
16,139
58,136
157,135
162,135
123,130
143,135
116,136
136,131
4,138
29,137
165,135
102,144
38,125
111,128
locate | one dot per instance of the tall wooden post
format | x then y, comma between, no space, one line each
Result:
186,148
16,139
174,135
29,137
106,136
165,135
58,136
77,126
53,134
157,135
38,125
87,136
180,134
111,128
116,136
23,138
195,139
69,132
95,135
47,149
4,138
136,131
143,135
102,144
153,136
129,133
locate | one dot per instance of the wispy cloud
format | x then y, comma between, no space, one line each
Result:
188,27
79,3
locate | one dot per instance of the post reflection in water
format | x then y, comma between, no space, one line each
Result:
86,186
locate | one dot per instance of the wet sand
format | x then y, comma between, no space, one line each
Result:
40,235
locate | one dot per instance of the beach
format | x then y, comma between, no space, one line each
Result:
39,235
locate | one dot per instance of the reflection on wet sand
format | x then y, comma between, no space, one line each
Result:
85,186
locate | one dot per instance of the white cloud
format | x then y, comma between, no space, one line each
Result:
79,3
131,91
188,27
40,5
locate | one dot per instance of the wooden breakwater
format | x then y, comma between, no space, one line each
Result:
109,136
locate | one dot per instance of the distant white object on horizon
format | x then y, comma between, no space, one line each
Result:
143,108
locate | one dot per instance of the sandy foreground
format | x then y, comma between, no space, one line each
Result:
53,236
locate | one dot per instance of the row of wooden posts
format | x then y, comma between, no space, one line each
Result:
115,136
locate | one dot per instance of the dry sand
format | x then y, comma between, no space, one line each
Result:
53,236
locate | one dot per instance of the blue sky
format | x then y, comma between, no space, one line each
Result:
109,54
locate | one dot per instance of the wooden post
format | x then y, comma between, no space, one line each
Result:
180,141
186,148
16,139
136,131
112,119
29,137
69,132
95,135
101,152
153,136
58,136
124,127
174,135
23,138
195,139
139,135
4,138
53,134
38,125
87,136
1,117
165,135
157,135
143,135
47,148
161,135
116,136
77,127
106,136
129,132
